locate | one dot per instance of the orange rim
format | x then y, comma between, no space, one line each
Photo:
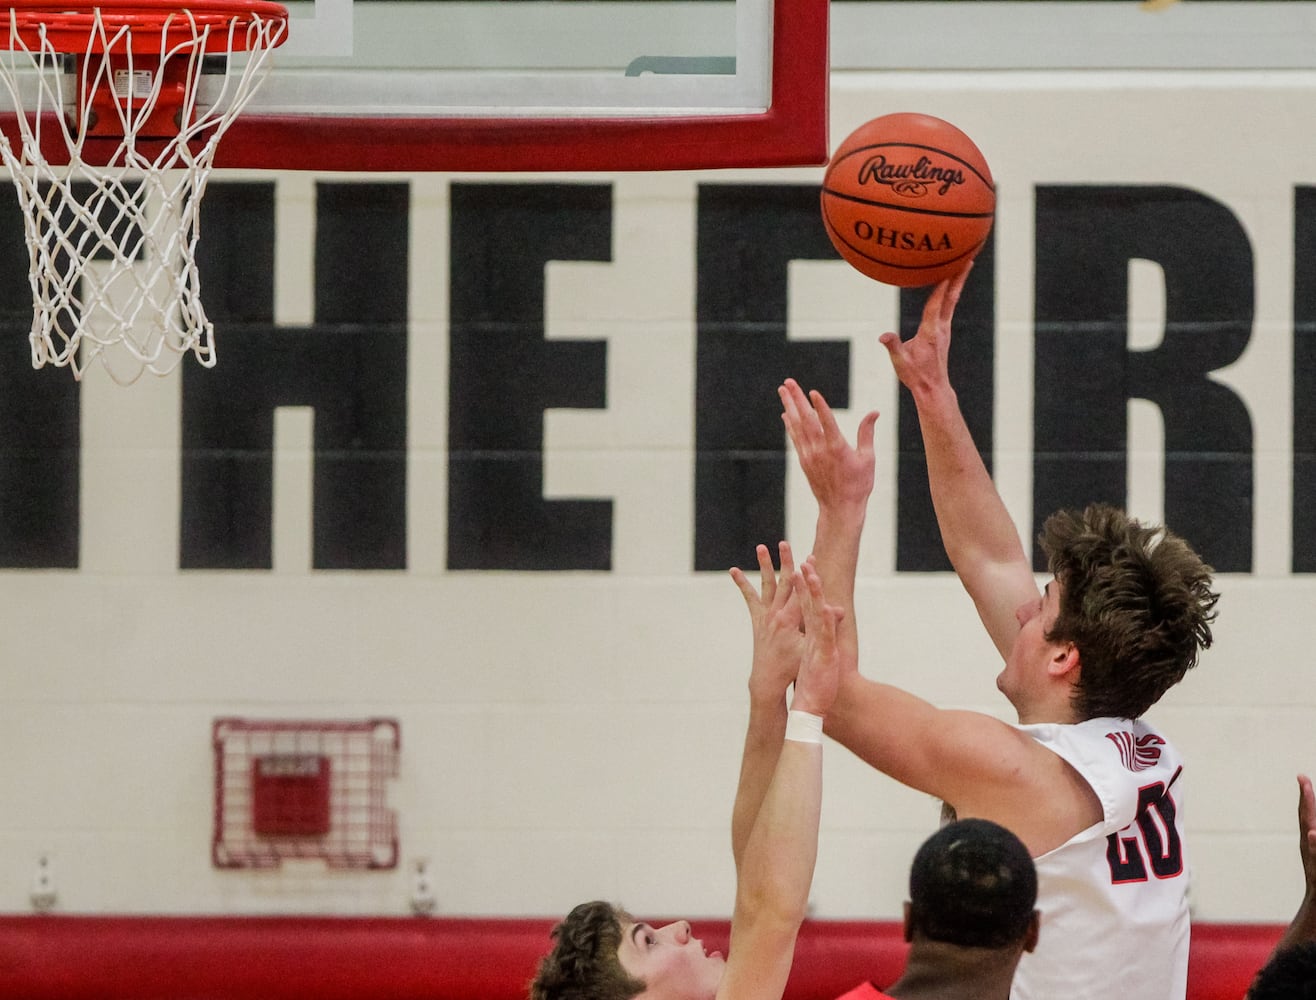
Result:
153,25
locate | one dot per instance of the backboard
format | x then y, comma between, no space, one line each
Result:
509,85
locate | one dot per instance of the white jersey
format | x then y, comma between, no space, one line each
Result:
1114,898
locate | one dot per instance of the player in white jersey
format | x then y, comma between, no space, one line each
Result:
1120,885
1122,620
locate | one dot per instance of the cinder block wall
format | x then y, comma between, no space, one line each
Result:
478,451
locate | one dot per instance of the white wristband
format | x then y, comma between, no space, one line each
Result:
803,727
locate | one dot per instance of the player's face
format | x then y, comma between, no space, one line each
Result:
671,961
1026,668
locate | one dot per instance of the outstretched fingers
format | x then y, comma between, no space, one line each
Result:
816,609
922,360
777,626
1307,829
809,418
799,416
867,427
786,585
826,418
775,591
940,307
895,347
766,579
767,575
819,676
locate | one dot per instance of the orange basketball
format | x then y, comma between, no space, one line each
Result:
908,199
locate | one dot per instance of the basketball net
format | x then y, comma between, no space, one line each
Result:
112,235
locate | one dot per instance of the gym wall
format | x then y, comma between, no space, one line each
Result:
478,451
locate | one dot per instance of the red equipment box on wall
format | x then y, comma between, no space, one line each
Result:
304,789
290,795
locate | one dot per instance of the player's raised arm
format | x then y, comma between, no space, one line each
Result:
841,478
776,870
982,767
1303,927
600,950
775,617
976,528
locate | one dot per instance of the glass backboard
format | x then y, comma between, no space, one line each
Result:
541,84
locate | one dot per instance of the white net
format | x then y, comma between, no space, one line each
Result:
112,234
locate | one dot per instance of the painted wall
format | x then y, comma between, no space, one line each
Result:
479,449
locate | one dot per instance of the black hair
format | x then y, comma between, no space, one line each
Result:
1289,975
973,884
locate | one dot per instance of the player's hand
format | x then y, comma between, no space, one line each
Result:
922,362
838,474
1307,831
820,667
775,616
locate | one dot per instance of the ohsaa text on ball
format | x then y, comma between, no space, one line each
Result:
902,240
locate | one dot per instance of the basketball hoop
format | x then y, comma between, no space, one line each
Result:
110,152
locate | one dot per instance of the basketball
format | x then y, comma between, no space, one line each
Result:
908,199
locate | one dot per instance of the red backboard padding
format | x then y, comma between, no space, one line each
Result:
400,958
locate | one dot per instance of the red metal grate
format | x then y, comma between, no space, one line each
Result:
304,789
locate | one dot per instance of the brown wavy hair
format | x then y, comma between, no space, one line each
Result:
583,964
1135,600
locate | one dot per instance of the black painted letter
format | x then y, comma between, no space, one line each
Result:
1085,373
503,374
350,366
747,235
1304,380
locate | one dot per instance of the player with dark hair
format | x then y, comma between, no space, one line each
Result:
1093,791
972,884
969,917
600,952
1290,974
